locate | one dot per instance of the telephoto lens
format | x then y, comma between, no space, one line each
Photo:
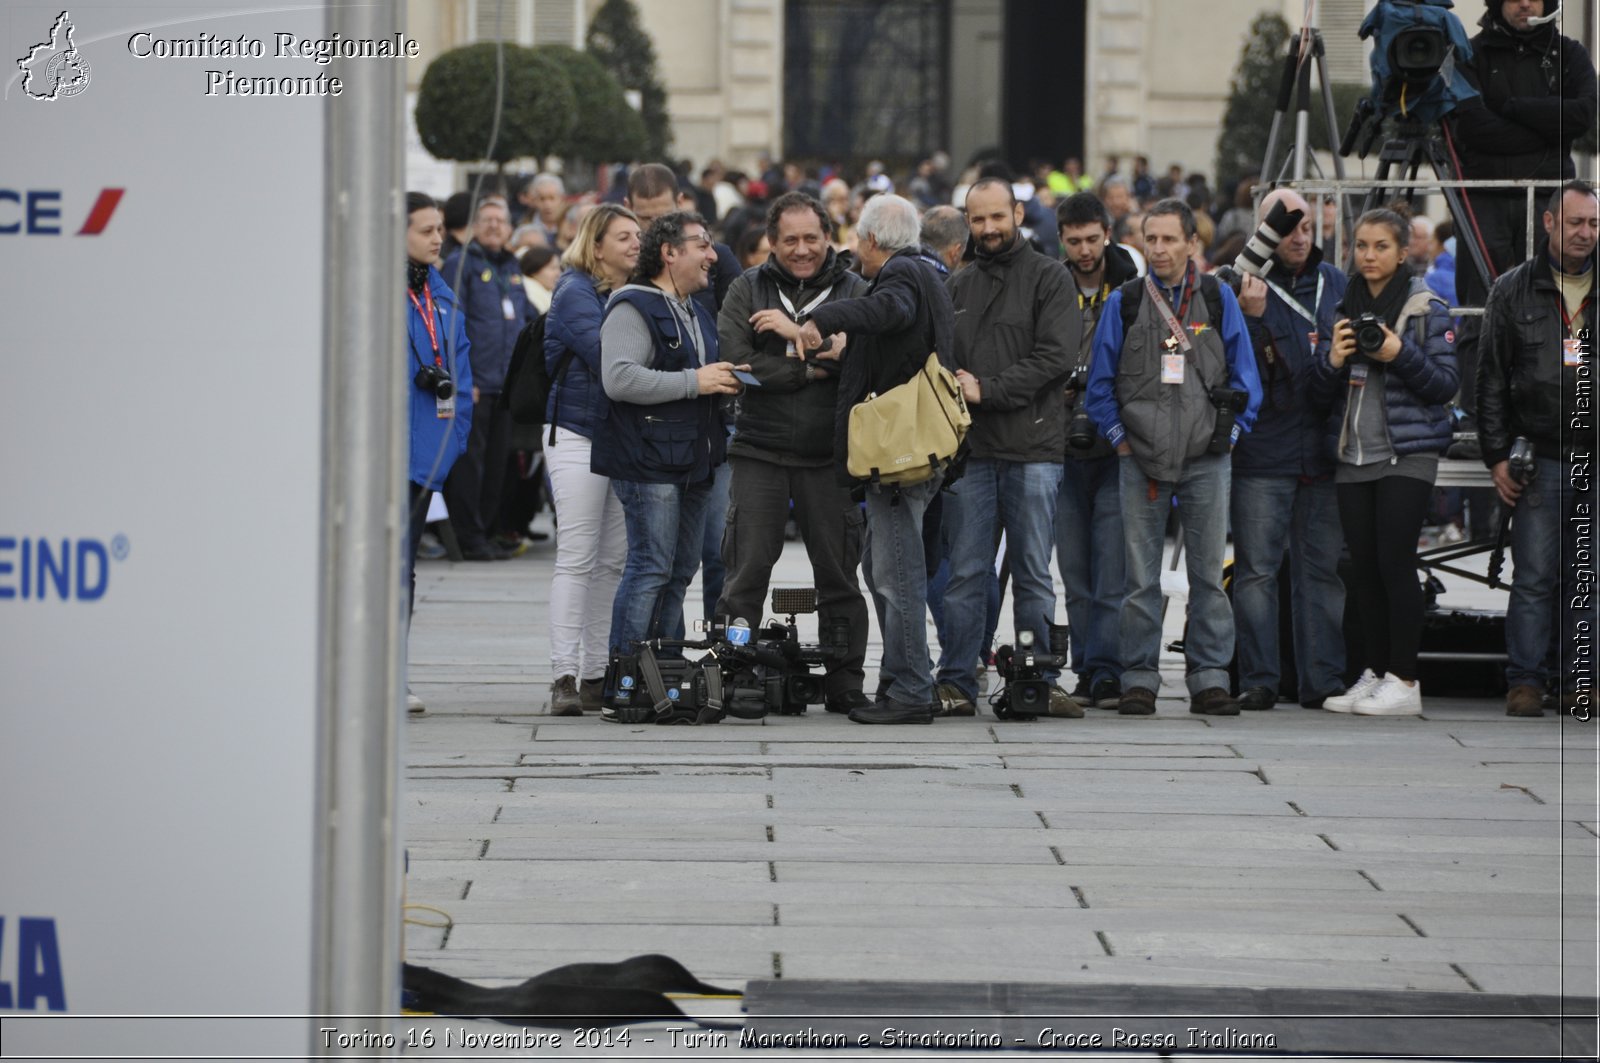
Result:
1256,258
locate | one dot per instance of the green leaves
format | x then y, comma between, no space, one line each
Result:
457,103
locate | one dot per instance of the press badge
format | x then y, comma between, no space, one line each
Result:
445,409
1358,375
507,309
1172,368
1571,351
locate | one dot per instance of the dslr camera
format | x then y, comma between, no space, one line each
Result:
1026,694
1081,434
435,381
1229,403
1370,336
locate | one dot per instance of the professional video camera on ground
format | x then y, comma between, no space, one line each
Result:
1025,694
1416,46
746,673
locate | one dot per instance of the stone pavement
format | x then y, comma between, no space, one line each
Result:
1456,852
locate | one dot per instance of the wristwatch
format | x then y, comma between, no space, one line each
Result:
811,372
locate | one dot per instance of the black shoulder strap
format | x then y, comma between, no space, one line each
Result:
1132,295
1211,291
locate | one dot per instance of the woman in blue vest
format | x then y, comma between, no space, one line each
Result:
1390,368
441,378
593,543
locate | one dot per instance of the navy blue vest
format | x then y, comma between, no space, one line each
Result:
677,442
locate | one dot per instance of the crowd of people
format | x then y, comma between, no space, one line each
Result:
708,338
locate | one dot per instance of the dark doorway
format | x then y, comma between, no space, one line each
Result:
1043,96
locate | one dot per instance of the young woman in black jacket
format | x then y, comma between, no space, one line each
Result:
1389,369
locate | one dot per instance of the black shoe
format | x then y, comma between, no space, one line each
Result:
1258,698
1107,694
892,712
847,702
1137,701
1213,701
1316,700
1083,692
483,552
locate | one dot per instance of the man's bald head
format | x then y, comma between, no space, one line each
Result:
1296,247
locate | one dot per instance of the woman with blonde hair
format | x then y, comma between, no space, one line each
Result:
593,541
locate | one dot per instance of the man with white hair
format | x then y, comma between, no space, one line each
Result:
904,316
1283,495
545,198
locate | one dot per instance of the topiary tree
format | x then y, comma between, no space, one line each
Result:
621,45
457,100
1251,99
607,128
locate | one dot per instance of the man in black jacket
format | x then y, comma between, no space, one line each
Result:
1536,382
904,316
1537,96
1089,542
1017,336
782,448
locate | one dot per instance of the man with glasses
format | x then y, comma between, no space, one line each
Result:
662,435
487,282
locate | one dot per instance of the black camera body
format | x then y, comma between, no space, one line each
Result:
1026,694
1519,463
1081,432
435,381
1370,334
1229,403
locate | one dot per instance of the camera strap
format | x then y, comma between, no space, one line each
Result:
654,685
1179,334
1294,304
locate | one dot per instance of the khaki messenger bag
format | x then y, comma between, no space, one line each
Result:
909,432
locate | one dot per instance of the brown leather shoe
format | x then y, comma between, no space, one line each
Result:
1524,700
1137,701
564,697
1213,701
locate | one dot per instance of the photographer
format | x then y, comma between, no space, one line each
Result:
1172,385
1389,367
1528,387
782,450
1089,547
1283,494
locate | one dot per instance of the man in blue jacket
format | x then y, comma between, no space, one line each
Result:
1283,496
1157,374
488,284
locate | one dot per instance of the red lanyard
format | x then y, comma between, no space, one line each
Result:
427,320
1566,318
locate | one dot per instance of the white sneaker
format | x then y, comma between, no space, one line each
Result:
414,704
1358,690
1391,698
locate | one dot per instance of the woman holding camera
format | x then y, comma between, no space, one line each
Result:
593,542
1388,369
441,378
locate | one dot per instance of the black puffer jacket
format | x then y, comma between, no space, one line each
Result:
1018,331
788,420
1538,96
1524,389
904,316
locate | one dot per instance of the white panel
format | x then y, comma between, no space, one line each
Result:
157,721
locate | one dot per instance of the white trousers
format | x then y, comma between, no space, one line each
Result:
591,546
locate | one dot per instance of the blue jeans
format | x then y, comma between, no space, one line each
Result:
1271,515
1202,493
1021,497
666,528
900,588
1093,565
1544,577
712,571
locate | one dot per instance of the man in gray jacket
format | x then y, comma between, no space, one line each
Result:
1017,334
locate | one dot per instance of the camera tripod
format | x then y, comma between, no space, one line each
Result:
1306,50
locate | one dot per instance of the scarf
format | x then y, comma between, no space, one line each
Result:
1387,304
416,275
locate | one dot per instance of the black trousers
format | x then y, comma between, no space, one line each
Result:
476,482
1382,521
417,523
832,526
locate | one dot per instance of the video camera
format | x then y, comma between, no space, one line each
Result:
1026,694
1416,45
745,673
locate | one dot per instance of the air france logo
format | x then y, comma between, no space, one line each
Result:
55,69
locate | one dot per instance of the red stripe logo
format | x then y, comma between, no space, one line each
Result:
100,216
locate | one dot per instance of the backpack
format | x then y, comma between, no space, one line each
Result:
909,432
1210,291
528,379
